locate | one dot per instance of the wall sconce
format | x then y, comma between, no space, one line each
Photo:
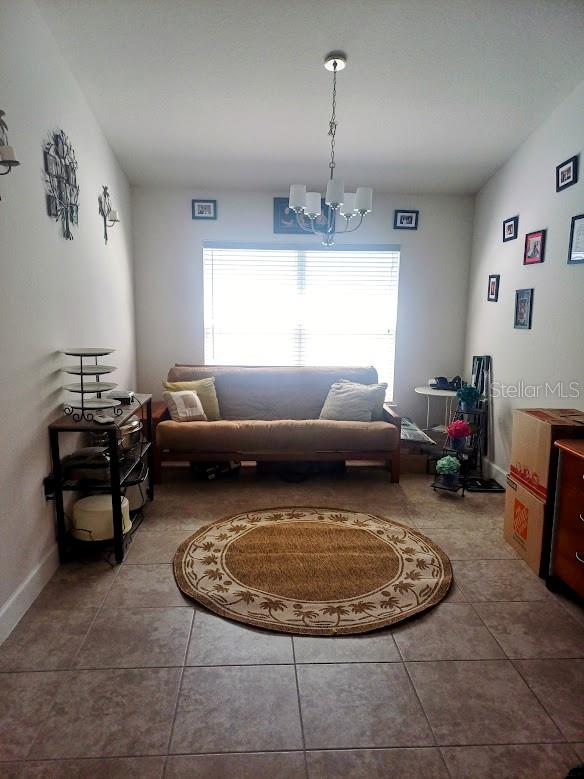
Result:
110,215
7,157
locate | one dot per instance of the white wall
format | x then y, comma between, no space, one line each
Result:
169,283
552,351
53,292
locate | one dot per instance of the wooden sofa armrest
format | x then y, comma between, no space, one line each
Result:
391,415
159,412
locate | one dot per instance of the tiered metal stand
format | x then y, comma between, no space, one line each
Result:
84,407
123,473
470,456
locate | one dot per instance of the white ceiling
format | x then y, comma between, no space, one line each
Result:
232,93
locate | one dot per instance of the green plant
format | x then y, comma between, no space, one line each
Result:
468,394
447,466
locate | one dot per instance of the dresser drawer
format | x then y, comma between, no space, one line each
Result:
572,477
568,565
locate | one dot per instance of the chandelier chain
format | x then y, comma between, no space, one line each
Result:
333,120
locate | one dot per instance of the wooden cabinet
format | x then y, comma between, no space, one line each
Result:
567,560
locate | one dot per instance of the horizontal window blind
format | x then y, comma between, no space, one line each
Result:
270,306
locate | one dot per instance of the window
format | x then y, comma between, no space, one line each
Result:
298,306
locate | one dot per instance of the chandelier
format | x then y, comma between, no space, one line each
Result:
348,206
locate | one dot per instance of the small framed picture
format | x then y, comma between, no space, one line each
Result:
204,209
510,228
523,309
567,173
405,220
534,247
52,209
576,250
493,292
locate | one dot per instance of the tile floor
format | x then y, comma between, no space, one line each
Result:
113,673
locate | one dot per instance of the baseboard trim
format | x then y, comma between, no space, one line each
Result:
494,471
25,594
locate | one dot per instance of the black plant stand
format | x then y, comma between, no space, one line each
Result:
122,475
470,457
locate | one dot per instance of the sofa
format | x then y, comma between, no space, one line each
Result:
272,413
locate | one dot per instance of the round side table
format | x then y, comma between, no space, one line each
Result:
448,395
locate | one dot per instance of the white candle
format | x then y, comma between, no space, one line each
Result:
297,199
348,207
312,207
113,215
364,199
7,154
335,193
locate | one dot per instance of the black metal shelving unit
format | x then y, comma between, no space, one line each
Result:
470,457
133,469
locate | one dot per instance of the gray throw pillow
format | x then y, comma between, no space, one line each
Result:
351,402
378,391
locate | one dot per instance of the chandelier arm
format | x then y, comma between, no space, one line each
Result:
346,230
357,226
316,231
302,226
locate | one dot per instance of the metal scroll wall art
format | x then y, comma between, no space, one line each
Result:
61,182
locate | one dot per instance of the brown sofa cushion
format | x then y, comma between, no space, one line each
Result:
270,393
282,435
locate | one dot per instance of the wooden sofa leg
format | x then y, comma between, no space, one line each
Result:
393,466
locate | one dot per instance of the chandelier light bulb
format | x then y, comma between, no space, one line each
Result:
313,206
348,207
297,199
335,193
364,200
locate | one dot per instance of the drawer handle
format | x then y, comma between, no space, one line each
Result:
581,517
580,559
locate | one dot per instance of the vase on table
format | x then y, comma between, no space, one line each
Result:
458,444
467,406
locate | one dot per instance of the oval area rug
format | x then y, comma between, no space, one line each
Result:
312,571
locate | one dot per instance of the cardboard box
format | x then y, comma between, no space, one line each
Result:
524,528
533,454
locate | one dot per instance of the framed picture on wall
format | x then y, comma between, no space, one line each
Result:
493,291
567,173
523,309
286,223
405,220
510,228
204,209
534,247
576,250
